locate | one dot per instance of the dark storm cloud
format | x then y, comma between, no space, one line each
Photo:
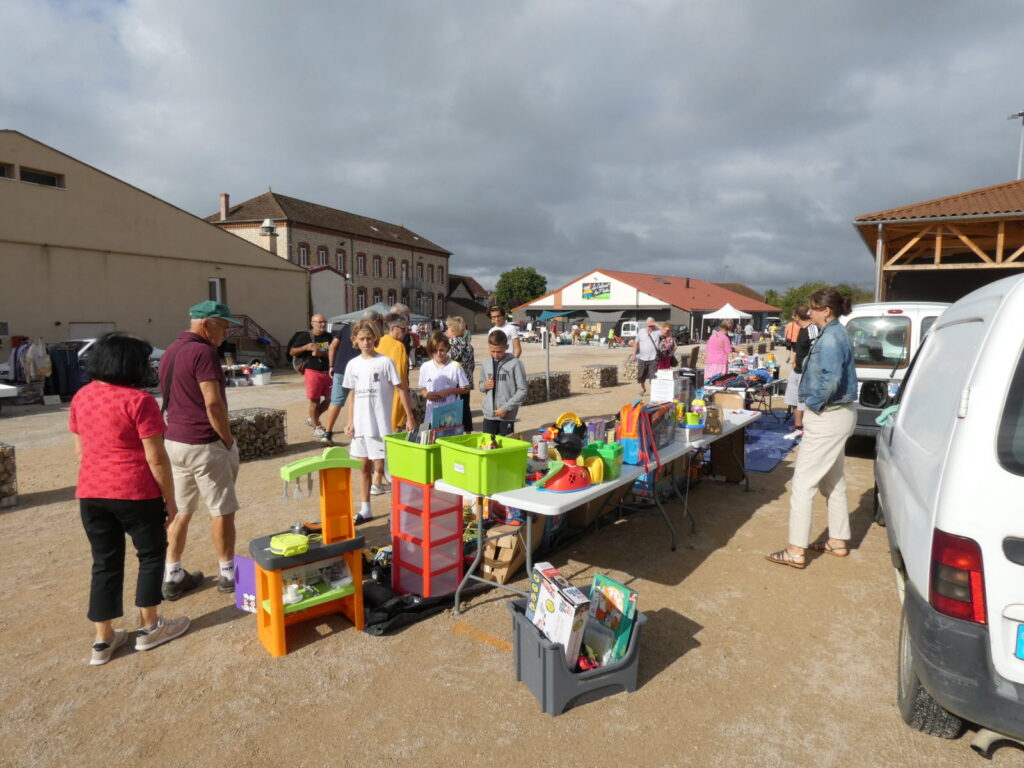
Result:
723,140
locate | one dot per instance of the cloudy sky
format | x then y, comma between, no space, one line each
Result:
719,139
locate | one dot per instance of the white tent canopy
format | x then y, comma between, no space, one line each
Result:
728,312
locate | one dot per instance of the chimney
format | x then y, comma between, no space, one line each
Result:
224,203
687,282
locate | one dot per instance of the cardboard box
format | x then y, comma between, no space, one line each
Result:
724,454
505,554
557,609
729,401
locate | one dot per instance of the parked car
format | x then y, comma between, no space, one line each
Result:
949,478
885,336
628,331
682,334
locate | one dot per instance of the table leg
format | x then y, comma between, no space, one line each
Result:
478,505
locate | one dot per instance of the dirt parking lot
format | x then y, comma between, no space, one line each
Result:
742,662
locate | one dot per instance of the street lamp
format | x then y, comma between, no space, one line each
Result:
1020,152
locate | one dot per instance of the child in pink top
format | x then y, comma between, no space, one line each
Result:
719,348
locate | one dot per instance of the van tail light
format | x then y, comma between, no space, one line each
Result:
958,581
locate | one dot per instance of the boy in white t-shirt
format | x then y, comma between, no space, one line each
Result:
442,379
373,379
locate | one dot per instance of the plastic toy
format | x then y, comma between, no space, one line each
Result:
294,586
567,475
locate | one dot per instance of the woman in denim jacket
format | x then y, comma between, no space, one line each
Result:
828,386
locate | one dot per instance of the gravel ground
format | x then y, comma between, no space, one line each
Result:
742,662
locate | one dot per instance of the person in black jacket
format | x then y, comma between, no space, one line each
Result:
800,348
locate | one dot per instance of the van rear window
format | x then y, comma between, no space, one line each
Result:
1010,440
880,342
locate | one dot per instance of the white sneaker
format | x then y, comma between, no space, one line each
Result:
164,631
309,422
101,652
319,432
378,490
794,435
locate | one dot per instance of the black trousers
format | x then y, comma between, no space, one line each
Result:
498,427
467,414
106,521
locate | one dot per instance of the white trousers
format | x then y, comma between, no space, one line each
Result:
820,467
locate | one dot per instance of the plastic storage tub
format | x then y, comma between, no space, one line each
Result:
480,472
261,379
611,456
412,461
540,664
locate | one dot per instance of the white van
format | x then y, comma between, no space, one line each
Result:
629,329
885,336
949,476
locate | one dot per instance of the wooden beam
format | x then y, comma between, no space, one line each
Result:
1014,256
938,247
966,241
1000,241
972,265
913,241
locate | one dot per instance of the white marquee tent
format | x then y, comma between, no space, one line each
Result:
728,312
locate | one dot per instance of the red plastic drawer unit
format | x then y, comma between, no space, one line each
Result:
426,539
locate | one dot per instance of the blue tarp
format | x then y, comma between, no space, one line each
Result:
548,314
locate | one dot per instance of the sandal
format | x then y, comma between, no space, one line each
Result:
784,557
828,549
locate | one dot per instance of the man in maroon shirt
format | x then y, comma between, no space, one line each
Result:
204,457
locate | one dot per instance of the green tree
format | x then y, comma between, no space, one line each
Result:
771,296
800,294
519,285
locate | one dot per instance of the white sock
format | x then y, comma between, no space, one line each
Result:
173,572
364,509
227,569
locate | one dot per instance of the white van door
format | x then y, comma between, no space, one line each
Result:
913,451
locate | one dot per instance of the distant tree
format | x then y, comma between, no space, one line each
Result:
518,286
771,296
801,295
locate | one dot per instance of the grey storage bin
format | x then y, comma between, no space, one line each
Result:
541,665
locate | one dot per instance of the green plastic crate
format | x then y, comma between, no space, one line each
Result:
611,457
412,461
480,472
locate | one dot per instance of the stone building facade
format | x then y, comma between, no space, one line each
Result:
377,261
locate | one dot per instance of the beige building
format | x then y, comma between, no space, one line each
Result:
356,261
82,252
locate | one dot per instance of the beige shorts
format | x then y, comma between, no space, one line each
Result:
206,472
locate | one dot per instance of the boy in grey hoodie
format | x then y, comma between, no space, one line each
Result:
503,382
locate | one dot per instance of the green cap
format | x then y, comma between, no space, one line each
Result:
207,309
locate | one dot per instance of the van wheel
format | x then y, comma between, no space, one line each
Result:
917,707
879,515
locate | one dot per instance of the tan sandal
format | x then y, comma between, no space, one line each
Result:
828,549
785,557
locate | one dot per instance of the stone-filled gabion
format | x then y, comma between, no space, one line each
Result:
8,476
600,376
258,431
536,388
628,369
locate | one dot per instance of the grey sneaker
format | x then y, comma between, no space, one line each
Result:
172,590
319,432
164,631
101,652
225,583
309,423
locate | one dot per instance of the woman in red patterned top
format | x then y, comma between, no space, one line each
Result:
124,487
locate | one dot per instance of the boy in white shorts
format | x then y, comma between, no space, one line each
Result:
372,379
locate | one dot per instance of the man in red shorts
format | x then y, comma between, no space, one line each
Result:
312,347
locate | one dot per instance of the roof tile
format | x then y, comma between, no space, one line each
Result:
995,200
271,205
